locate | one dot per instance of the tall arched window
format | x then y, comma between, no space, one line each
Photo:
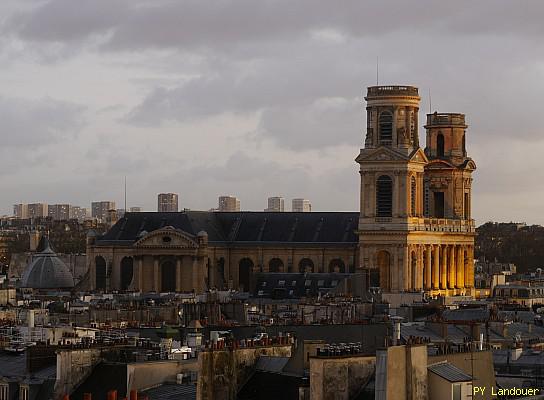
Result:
413,194
384,196
127,272
440,145
386,128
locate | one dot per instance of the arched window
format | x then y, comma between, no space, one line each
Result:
413,194
337,265
275,265
245,267
127,272
464,146
100,273
386,127
384,196
440,145
306,265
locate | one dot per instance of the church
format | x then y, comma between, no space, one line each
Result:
413,231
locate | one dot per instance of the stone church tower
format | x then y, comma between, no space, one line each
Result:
415,228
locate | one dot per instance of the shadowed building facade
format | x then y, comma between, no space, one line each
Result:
415,226
196,250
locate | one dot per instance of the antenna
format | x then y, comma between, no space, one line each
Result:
125,194
430,102
377,70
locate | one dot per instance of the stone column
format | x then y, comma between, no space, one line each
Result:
444,267
396,195
196,283
460,282
436,267
178,274
420,262
140,284
406,268
428,266
394,270
451,267
156,275
469,270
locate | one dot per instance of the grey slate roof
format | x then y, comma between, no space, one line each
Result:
47,271
449,372
169,391
245,228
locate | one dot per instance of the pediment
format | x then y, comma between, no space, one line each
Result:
167,238
439,164
419,156
382,154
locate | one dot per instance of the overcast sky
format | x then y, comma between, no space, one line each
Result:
258,98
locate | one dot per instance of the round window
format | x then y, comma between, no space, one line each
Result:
166,239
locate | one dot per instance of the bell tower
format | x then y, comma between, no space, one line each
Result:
392,113
416,235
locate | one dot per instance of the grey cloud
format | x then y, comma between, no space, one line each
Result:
199,24
33,123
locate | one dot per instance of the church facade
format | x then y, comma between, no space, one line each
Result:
413,232
415,227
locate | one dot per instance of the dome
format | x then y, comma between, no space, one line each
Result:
47,271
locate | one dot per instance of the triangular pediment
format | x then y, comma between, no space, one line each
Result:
419,156
167,237
381,154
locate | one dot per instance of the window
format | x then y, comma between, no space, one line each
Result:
281,283
467,206
384,196
386,128
413,192
439,204
334,283
426,198
307,282
320,282
440,145
413,129
293,283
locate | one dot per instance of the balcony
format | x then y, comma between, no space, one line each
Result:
446,119
374,91
442,225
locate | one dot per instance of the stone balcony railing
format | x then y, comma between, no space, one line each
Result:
445,119
392,91
442,224
431,224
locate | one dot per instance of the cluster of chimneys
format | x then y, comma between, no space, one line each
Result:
112,395
248,343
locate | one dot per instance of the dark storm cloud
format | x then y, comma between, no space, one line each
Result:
196,23
33,123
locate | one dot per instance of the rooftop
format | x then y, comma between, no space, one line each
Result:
446,119
449,372
392,90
